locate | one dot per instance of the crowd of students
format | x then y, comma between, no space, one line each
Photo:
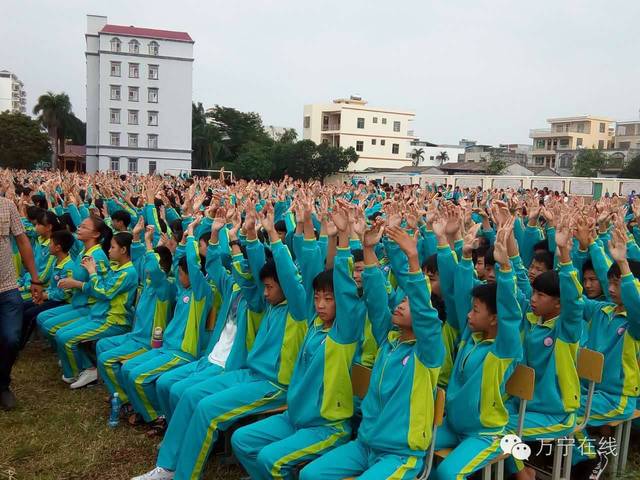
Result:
210,301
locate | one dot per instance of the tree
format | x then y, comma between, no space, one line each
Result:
417,155
588,163
206,140
254,162
444,156
632,170
22,142
289,136
54,110
496,163
331,160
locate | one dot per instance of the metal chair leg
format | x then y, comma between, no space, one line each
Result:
556,473
567,463
623,451
500,470
486,472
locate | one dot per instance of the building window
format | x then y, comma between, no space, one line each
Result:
580,127
431,157
603,127
133,117
153,119
600,144
115,92
134,94
115,69
152,141
134,70
578,142
115,164
373,141
360,122
115,45
133,165
538,160
395,148
540,143
114,115
114,139
375,119
307,122
134,46
153,95
153,72
384,121
383,142
564,143
152,167
359,146
325,122
154,48
396,126
133,140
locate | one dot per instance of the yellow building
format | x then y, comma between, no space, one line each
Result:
380,136
570,133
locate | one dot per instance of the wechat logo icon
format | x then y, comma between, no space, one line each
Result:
513,445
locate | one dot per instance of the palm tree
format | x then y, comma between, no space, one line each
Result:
417,156
444,156
54,110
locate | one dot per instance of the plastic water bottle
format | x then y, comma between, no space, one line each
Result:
114,417
156,341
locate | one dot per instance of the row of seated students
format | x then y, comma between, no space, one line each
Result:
259,311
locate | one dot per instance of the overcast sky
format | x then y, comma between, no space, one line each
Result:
479,69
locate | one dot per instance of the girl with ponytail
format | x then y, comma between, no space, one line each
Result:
92,233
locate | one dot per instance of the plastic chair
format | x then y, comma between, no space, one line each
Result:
590,366
521,384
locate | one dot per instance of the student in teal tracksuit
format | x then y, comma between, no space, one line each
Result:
551,337
489,348
92,231
110,315
153,310
397,412
614,330
320,395
181,341
232,337
210,406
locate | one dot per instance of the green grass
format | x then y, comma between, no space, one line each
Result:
60,434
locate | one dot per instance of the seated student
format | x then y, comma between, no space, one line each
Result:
397,412
110,315
490,346
181,340
53,296
542,262
96,238
320,396
613,328
232,337
153,310
46,224
551,337
214,405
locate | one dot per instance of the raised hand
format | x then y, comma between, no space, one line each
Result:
618,245
372,235
471,240
139,227
407,243
267,218
340,218
500,248
148,235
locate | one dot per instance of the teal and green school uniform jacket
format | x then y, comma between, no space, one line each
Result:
62,269
551,349
320,391
476,391
187,326
231,296
283,326
616,334
114,294
156,302
81,297
397,412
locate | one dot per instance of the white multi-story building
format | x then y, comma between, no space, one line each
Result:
380,136
138,98
12,94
